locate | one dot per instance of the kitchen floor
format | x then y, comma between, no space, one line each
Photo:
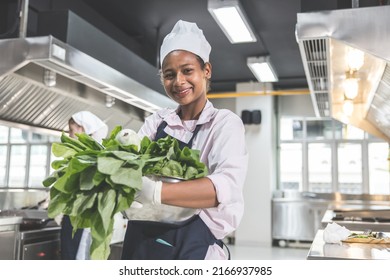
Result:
267,253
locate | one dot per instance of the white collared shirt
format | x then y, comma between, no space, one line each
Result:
221,141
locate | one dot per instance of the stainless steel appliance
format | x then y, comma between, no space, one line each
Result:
34,237
39,244
297,216
9,227
374,218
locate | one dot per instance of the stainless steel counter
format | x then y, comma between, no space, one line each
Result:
320,250
374,219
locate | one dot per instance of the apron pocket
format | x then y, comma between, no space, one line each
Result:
154,249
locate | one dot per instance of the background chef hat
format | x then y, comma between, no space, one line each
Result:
186,36
92,124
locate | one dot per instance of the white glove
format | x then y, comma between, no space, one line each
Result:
150,192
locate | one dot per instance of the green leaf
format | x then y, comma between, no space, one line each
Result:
86,178
57,164
98,178
57,203
89,142
61,150
75,143
128,177
123,155
109,165
123,200
106,205
83,201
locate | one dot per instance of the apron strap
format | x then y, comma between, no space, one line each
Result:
161,134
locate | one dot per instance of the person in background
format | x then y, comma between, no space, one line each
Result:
77,247
216,200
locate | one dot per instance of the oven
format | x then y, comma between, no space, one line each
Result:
37,237
39,244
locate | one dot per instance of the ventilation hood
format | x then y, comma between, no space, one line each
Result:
44,80
325,39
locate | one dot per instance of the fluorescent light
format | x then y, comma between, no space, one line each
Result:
232,20
262,69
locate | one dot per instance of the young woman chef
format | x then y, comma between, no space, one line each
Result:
188,219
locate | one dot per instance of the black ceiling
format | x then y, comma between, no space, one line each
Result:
148,21
140,25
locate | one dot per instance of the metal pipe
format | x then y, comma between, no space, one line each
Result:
23,18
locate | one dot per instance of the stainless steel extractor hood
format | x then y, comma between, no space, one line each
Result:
325,39
44,80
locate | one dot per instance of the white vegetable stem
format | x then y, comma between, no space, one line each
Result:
129,137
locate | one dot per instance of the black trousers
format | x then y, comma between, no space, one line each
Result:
69,244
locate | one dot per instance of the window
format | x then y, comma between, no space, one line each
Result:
320,155
379,168
349,156
17,167
24,157
320,167
291,166
38,165
3,164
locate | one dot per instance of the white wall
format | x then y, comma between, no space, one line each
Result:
255,227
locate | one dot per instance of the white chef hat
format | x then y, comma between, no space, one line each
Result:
186,36
92,124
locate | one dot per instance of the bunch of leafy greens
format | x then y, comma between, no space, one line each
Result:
92,182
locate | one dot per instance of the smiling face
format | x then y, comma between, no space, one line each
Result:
185,79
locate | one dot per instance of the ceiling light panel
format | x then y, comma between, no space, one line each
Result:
232,20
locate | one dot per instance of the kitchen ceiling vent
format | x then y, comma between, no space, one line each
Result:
315,57
325,41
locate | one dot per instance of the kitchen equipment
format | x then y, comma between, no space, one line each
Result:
326,39
31,218
9,227
56,77
373,219
32,235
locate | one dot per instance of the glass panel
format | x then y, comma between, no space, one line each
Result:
291,129
3,162
291,166
38,138
319,129
54,138
350,168
18,135
352,132
320,167
17,173
38,160
3,134
379,168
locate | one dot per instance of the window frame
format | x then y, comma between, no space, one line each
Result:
334,144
